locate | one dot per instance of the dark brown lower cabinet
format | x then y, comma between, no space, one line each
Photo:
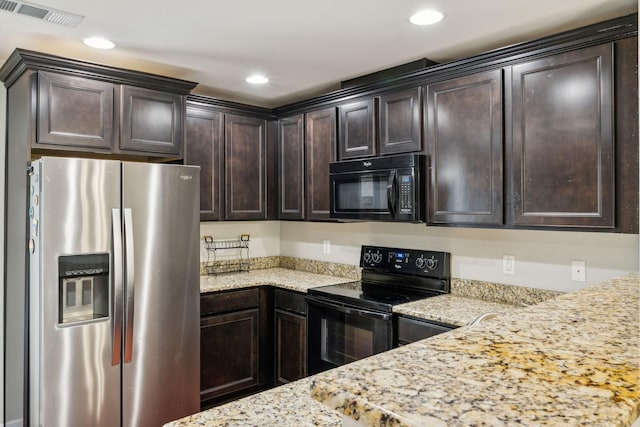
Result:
229,346
290,336
291,347
411,329
235,338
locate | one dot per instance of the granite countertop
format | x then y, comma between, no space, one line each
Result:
287,405
571,360
451,309
284,278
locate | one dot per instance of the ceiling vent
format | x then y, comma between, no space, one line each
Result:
41,12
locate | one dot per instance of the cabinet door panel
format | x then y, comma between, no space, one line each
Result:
320,150
357,129
464,139
75,112
245,168
203,148
563,164
291,151
291,347
228,353
400,122
151,121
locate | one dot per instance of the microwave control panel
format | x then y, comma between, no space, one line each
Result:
406,194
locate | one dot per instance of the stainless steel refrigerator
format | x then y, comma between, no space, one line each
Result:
114,293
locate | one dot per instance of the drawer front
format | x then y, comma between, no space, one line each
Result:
223,302
290,301
410,330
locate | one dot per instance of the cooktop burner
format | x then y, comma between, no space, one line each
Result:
391,277
369,295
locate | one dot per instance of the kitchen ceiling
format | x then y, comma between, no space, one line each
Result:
305,47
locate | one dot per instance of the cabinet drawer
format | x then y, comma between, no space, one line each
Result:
222,302
410,330
290,301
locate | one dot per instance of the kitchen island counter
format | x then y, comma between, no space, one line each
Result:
286,405
570,360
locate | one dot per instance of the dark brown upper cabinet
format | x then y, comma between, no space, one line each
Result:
74,112
400,121
151,121
291,161
320,150
245,167
357,136
563,142
203,147
465,146
73,106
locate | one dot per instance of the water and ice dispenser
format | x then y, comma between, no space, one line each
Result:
83,287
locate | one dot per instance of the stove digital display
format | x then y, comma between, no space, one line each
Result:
401,256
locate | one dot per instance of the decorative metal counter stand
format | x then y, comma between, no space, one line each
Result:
228,255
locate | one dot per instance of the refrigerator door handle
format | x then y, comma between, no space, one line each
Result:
116,324
129,285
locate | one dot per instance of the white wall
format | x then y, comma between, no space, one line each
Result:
543,258
265,235
3,118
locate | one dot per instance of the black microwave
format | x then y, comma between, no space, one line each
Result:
388,188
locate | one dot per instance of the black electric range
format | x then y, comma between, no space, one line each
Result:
350,321
392,276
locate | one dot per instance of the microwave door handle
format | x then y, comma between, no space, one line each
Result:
391,193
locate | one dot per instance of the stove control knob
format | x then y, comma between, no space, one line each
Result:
432,263
377,257
420,262
367,256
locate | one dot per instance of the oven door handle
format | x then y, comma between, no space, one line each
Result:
347,310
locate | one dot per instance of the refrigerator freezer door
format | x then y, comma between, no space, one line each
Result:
161,383
73,382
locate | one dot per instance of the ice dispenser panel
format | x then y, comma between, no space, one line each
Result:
84,287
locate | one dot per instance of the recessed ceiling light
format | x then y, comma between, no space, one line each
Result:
257,79
99,43
426,17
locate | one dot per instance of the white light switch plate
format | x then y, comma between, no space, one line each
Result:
509,264
578,271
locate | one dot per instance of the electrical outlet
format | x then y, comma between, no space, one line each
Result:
508,264
326,246
578,271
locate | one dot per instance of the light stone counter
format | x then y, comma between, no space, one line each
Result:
289,405
569,361
293,280
451,309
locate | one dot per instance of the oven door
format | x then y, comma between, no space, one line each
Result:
338,334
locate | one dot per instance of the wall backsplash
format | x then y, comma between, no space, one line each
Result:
476,289
509,294
347,271
543,258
